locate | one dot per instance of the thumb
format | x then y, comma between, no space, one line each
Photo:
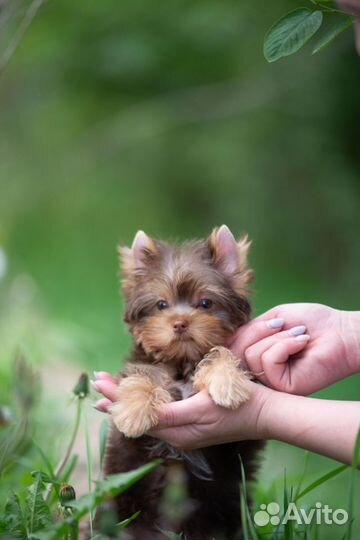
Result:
180,413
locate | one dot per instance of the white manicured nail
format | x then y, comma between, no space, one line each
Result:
297,331
94,385
303,337
275,323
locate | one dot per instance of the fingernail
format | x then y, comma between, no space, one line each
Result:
297,330
96,374
303,337
94,385
275,323
98,408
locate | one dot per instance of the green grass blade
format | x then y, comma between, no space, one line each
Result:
45,460
288,528
245,511
353,473
126,522
321,480
173,536
69,468
104,428
245,528
303,475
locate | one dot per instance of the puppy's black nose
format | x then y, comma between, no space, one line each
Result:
180,326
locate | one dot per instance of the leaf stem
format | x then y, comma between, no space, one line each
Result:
327,9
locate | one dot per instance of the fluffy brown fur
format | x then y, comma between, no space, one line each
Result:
182,303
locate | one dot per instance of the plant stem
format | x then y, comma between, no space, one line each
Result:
89,466
60,468
19,34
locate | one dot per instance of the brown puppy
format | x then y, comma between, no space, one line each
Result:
182,303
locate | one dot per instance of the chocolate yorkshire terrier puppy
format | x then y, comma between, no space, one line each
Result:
182,304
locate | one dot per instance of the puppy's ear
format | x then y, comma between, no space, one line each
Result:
231,257
134,259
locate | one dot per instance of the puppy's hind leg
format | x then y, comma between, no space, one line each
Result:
123,455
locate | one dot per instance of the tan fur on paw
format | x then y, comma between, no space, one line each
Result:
138,400
220,375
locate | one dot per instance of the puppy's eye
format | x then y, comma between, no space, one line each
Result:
205,303
162,304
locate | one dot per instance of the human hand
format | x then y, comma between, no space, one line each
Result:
353,8
197,422
331,354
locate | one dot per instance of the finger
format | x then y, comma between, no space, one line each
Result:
253,354
107,388
102,405
104,375
187,411
178,437
275,360
253,332
357,35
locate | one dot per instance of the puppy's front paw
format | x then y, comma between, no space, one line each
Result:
135,412
220,375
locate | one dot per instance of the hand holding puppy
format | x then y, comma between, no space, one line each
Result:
273,346
277,349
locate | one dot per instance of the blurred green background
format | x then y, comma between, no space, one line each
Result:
164,116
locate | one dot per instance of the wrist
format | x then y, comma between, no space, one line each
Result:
264,398
351,332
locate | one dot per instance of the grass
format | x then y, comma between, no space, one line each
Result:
42,503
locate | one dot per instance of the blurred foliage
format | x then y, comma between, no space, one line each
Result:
166,117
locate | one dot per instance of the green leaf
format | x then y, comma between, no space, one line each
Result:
38,514
45,478
15,521
291,32
113,485
335,23
58,530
